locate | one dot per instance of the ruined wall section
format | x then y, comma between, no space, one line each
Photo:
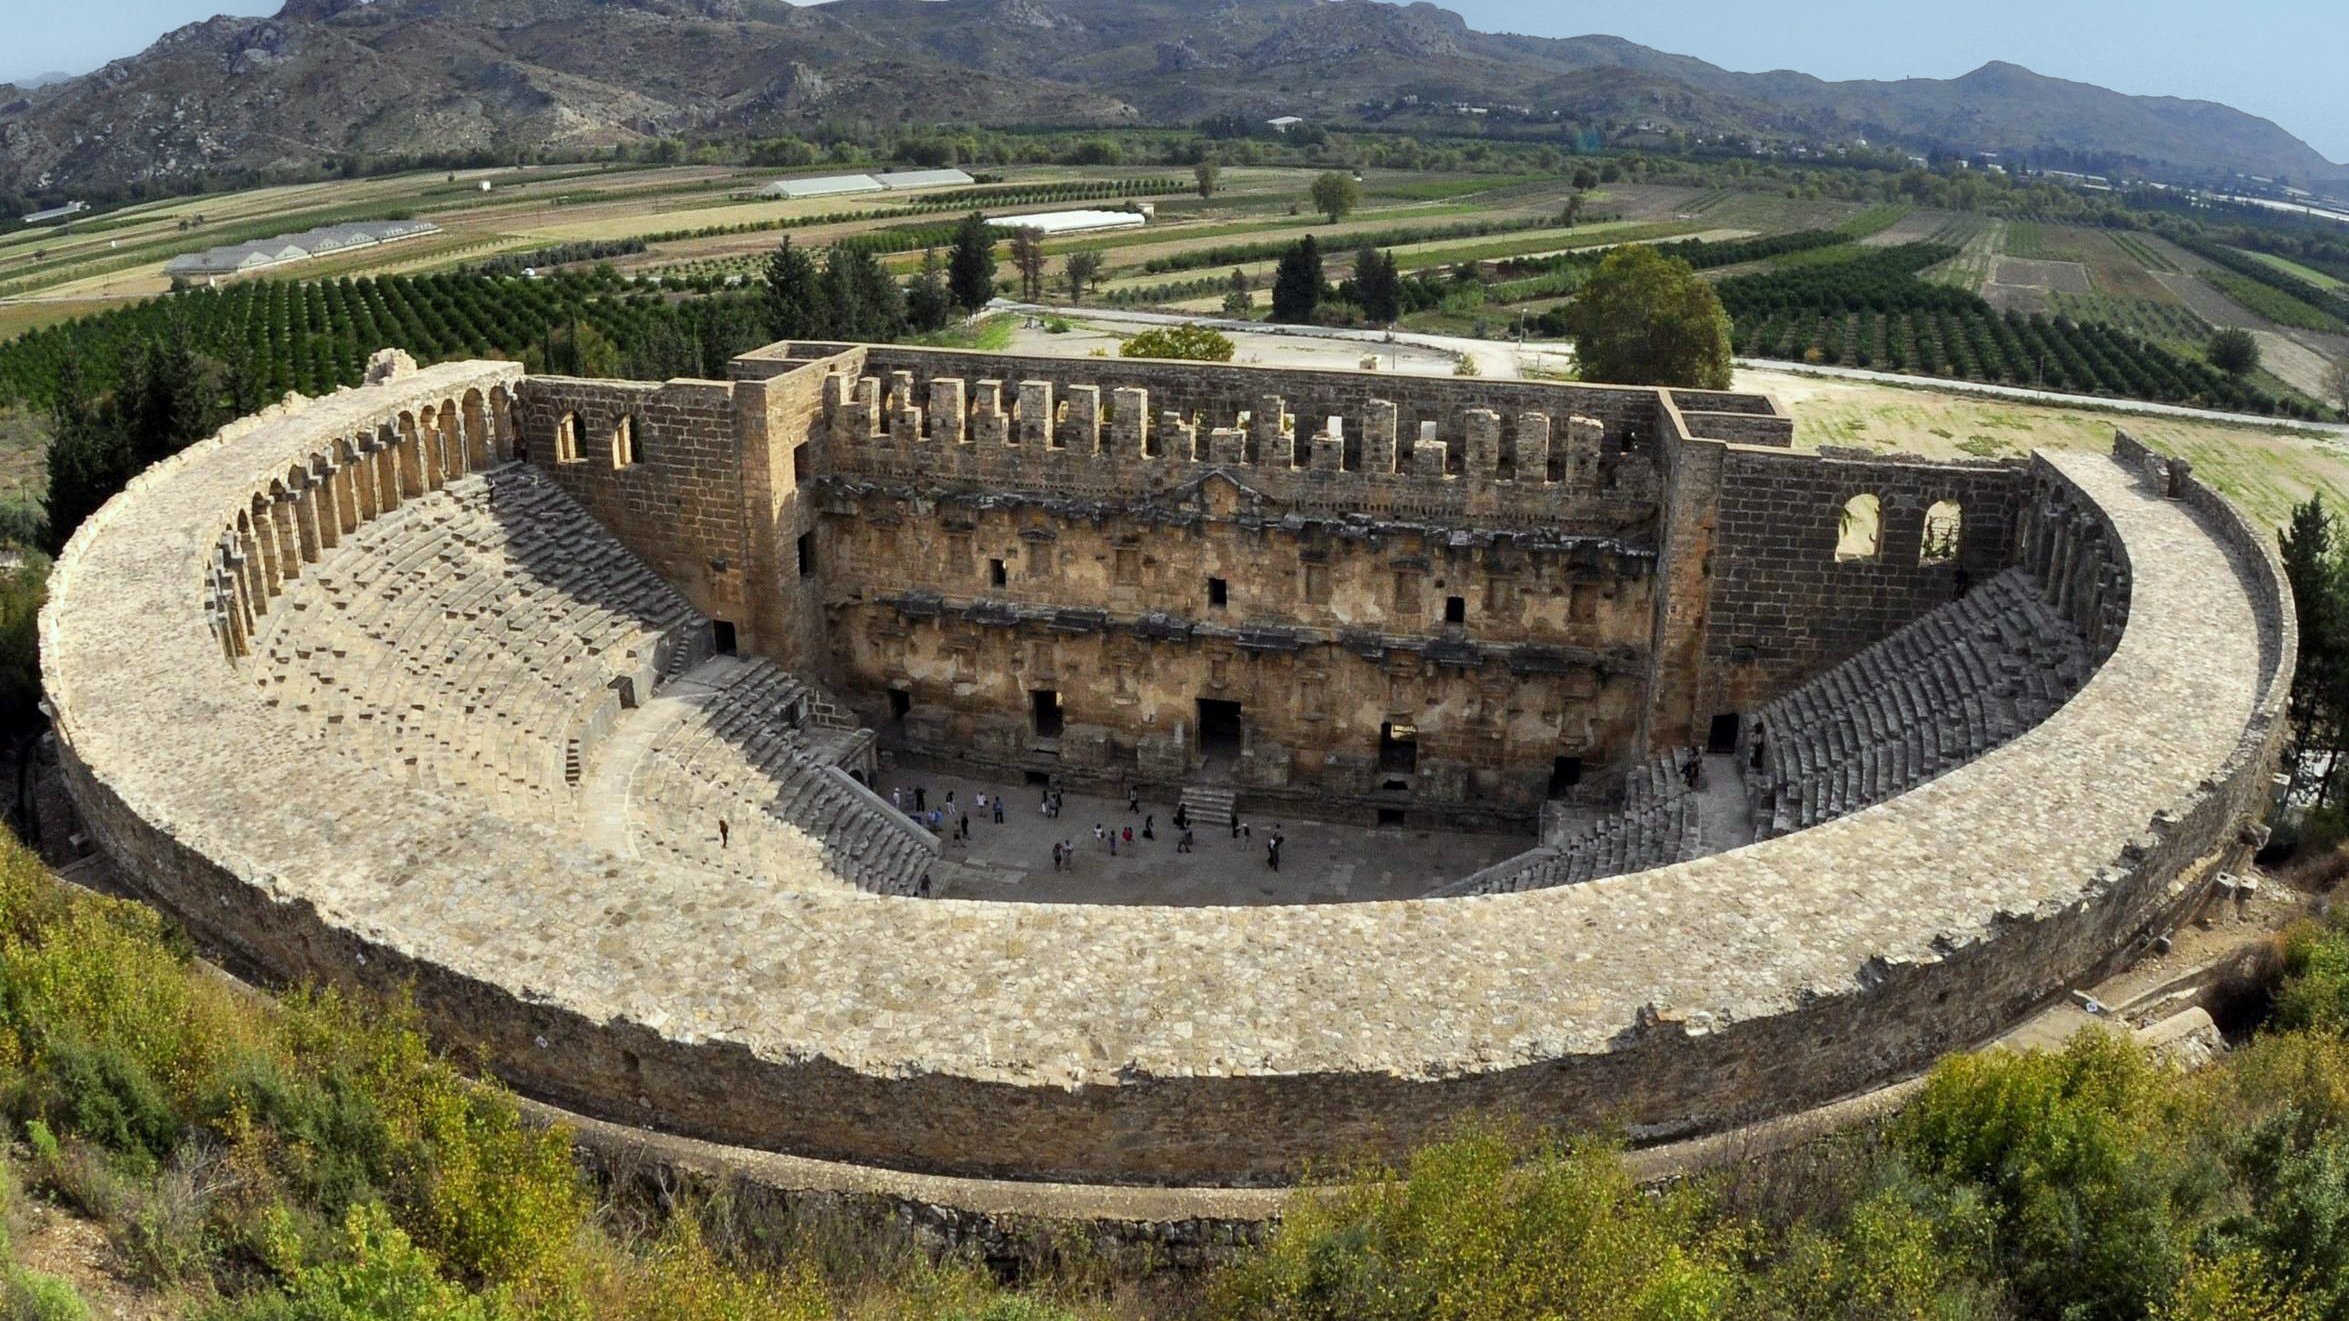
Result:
1500,453
1783,606
658,464
1326,632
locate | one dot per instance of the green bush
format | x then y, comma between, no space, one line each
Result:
2089,1163
2314,995
379,1274
1191,341
1482,1226
31,1296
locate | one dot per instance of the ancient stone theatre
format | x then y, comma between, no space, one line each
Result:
446,682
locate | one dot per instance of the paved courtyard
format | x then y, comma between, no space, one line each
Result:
1321,862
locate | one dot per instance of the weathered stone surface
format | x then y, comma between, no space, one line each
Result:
778,1007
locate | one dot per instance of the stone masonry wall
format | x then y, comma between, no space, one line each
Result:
680,504
1782,607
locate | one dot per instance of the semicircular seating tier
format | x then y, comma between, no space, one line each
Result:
358,698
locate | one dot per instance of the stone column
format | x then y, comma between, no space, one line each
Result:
1378,437
288,544
1585,446
1533,447
306,530
1180,438
328,500
1081,430
948,414
988,424
1035,417
1428,456
1267,428
1483,459
1129,421
1329,446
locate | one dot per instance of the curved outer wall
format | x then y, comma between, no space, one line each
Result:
1181,1045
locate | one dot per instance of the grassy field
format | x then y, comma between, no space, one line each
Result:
1977,257
2295,269
2265,470
24,445
2274,304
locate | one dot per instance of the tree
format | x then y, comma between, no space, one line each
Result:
1239,297
866,302
1297,282
1572,215
1585,179
1378,285
1646,319
1190,341
1027,256
1081,269
664,349
795,295
166,399
1208,174
2310,549
2233,351
574,348
928,304
1335,194
970,269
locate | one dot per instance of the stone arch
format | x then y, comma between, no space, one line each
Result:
410,470
279,511
252,566
505,437
452,442
309,539
431,449
478,454
264,536
1859,531
1945,523
567,438
387,469
344,457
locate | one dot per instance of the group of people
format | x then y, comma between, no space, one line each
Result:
954,822
949,817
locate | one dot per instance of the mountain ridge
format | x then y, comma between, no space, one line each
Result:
331,79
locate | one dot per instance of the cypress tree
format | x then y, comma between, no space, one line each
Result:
970,270
796,304
1297,282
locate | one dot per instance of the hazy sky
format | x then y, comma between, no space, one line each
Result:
2279,58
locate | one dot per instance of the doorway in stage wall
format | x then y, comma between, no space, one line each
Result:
1220,736
1722,737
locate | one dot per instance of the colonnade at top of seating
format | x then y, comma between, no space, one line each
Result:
1077,422
348,480
2068,544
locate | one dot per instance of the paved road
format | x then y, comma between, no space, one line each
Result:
2024,394
1501,358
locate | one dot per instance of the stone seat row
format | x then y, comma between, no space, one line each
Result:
1659,833
751,755
1932,696
471,638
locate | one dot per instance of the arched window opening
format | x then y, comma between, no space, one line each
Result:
567,439
624,442
1944,524
1860,534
